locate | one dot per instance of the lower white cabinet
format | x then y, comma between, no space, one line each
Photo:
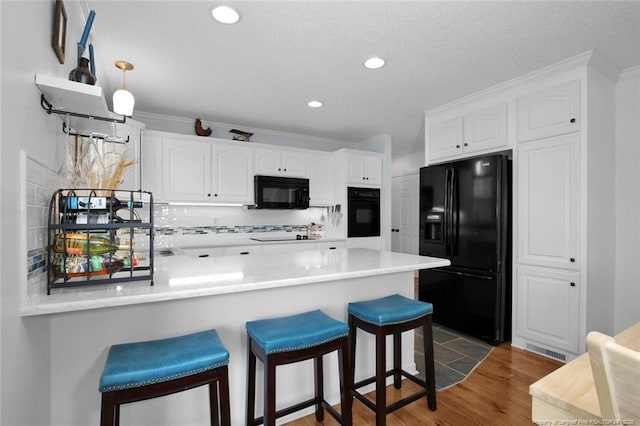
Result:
241,250
548,306
329,245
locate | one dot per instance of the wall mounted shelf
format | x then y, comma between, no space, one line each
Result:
82,108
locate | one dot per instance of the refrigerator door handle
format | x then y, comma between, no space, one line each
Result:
447,210
453,213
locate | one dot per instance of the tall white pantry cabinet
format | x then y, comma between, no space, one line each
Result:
560,129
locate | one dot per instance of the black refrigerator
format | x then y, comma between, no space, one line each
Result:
465,216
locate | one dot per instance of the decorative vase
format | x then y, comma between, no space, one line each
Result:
82,74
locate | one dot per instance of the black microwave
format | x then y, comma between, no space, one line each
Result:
273,192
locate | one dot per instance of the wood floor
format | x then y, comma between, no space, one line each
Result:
496,393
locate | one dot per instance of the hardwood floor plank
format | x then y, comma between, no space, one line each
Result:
496,393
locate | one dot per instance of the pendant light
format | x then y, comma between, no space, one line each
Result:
123,100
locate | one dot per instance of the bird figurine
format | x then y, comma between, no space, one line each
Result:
200,131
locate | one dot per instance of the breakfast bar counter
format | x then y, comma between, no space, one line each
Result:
192,294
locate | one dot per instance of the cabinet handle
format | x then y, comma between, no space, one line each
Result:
244,252
466,144
279,169
332,248
457,146
363,178
203,255
572,260
573,120
208,195
285,170
572,284
215,195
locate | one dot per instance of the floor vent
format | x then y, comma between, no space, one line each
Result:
547,352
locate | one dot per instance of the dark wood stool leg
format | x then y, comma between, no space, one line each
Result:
430,376
213,403
381,377
352,352
251,385
397,360
225,409
319,379
107,411
345,385
269,393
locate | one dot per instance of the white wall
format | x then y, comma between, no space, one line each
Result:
627,196
407,164
26,50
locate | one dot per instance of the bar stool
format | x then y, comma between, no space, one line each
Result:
295,338
392,315
144,370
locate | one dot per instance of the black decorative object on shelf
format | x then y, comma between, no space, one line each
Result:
82,73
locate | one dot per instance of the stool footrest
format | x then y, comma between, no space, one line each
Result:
391,407
404,373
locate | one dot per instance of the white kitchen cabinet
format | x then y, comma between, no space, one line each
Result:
320,172
186,169
476,131
280,162
548,307
549,202
203,252
241,250
549,112
329,245
364,169
200,170
232,173
151,164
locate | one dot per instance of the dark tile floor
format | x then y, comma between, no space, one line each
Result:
456,355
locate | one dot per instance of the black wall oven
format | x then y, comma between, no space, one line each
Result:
363,212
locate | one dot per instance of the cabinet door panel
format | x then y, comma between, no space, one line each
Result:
547,307
373,170
233,175
445,138
486,128
186,170
554,111
294,164
548,202
267,162
320,172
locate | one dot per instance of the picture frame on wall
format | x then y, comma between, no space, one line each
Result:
59,36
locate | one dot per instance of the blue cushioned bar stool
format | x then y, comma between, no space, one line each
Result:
145,370
392,315
295,338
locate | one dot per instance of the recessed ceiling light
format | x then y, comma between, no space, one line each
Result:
315,104
374,63
225,15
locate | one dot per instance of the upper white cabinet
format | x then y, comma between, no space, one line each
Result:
549,201
479,130
186,167
232,177
363,169
200,170
320,172
549,112
280,162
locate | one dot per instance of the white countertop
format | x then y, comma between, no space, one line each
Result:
181,276
231,239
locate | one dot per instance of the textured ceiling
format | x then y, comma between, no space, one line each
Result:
262,71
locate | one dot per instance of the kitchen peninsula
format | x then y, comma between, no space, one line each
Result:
191,294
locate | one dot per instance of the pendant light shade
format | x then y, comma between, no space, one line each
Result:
123,100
